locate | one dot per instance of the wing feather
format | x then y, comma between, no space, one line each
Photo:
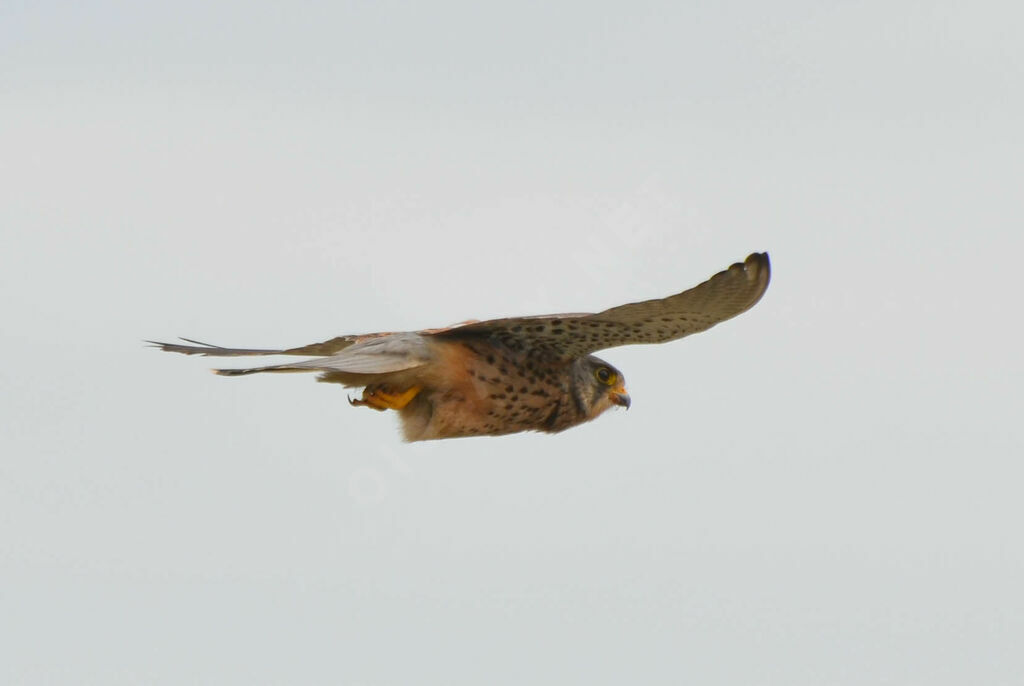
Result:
566,336
378,353
198,348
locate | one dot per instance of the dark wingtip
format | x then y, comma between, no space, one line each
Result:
159,344
757,259
233,372
205,345
179,348
759,267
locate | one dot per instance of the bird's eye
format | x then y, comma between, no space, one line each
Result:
605,376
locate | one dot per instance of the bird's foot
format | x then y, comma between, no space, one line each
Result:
382,398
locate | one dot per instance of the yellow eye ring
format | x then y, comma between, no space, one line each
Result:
605,376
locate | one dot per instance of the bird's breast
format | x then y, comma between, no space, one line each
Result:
482,389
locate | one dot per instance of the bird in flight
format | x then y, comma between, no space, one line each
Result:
504,376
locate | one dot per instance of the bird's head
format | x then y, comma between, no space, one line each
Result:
598,386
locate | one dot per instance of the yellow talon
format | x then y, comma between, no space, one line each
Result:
382,400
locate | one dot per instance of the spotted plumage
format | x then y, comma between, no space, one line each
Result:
508,375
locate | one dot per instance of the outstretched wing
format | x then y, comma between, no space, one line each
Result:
380,353
567,336
198,348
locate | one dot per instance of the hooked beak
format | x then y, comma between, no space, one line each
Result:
620,397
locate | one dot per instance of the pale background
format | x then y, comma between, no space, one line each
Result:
826,490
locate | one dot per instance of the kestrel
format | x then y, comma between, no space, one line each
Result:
504,376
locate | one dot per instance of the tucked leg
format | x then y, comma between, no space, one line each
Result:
383,398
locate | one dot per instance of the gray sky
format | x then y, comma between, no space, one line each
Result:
826,490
